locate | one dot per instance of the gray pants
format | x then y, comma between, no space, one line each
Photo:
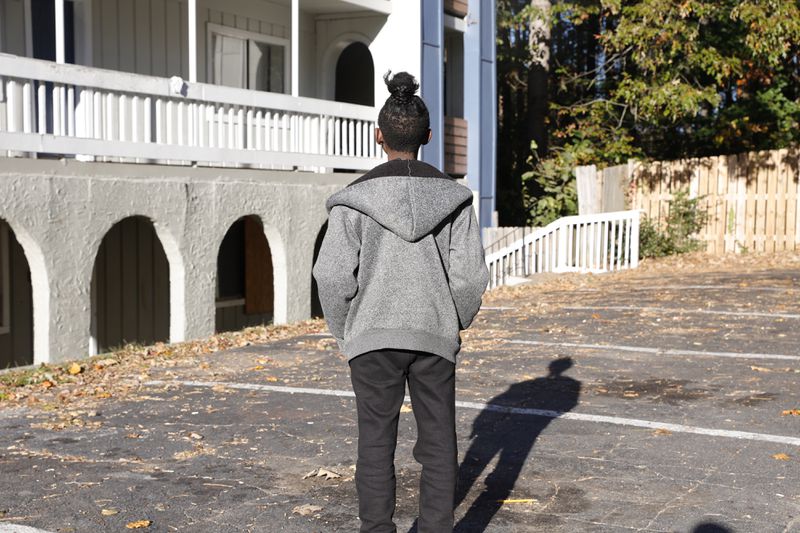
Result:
379,381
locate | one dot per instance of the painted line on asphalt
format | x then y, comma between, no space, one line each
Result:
661,351
602,419
678,311
19,528
698,287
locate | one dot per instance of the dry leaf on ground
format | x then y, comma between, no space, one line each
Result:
139,524
306,509
322,472
781,457
792,412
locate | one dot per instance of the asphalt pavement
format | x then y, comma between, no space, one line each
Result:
642,403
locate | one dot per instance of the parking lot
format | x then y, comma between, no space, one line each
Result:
666,399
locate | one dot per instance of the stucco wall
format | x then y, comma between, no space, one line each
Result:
60,211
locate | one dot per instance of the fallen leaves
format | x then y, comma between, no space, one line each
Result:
661,432
109,512
405,408
306,509
196,451
323,472
518,500
791,412
139,524
781,457
70,419
104,363
121,372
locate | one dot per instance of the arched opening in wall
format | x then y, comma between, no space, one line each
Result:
355,75
16,302
245,278
130,287
316,306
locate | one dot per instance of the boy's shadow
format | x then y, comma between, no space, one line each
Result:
511,435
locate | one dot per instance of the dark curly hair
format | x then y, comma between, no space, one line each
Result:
404,118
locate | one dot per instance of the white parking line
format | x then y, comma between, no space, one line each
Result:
699,287
634,422
17,528
678,311
661,351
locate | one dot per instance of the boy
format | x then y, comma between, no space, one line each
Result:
400,273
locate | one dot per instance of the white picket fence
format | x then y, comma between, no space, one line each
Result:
74,110
585,243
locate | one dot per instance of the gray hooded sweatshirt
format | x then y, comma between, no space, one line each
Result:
401,265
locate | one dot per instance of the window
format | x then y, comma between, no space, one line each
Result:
5,280
453,74
247,60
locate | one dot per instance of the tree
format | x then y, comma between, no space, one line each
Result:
652,79
538,72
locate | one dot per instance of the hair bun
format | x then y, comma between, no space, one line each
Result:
402,86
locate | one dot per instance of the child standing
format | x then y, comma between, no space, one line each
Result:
400,273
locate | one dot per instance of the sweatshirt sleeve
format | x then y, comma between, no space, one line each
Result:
468,273
336,270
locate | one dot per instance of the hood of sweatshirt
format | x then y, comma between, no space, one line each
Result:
410,198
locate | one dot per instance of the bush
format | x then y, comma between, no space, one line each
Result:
549,188
686,218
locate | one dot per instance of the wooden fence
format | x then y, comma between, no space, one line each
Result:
752,200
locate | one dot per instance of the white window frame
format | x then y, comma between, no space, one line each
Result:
84,48
212,28
5,279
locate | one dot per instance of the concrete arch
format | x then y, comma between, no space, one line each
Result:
279,272
277,249
316,306
330,58
176,269
40,288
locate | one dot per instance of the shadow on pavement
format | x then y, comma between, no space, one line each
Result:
711,527
511,436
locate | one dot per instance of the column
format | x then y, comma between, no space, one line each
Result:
295,47
192,41
60,45
480,104
432,82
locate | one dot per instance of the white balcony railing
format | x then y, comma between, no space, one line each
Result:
584,243
49,108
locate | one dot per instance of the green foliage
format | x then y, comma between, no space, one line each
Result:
555,179
648,79
686,218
